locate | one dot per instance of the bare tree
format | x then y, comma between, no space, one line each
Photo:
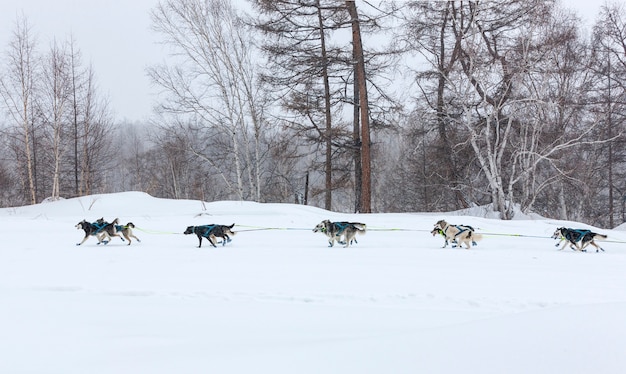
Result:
214,83
609,66
54,107
18,89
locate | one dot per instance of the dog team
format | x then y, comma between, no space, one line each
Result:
340,232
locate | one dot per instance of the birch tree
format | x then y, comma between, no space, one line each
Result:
54,106
213,83
18,90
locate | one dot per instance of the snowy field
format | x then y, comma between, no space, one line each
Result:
281,301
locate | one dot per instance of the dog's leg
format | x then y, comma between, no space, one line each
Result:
131,235
104,236
455,243
199,241
84,239
598,248
210,239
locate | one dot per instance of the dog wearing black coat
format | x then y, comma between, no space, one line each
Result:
211,233
111,229
94,229
578,239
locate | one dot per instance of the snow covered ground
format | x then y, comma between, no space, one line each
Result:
281,301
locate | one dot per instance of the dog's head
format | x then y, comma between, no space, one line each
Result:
80,225
189,230
116,221
440,225
436,231
101,220
558,234
322,226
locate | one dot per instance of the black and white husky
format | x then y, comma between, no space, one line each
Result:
96,229
211,233
578,239
341,232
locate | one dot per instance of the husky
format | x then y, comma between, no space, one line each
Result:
341,232
457,234
125,230
96,229
111,229
211,233
578,239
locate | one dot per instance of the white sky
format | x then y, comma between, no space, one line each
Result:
115,36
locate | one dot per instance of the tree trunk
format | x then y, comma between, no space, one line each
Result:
360,77
327,111
356,137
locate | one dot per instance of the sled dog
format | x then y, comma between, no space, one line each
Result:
457,234
126,231
211,233
578,239
341,232
94,229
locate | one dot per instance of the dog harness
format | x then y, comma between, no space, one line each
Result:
341,226
208,230
461,229
338,224
98,226
576,238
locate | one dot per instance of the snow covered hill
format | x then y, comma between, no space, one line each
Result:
277,299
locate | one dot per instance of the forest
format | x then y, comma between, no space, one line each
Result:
366,106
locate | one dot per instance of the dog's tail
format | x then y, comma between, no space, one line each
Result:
361,228
600,237
230,228
476,237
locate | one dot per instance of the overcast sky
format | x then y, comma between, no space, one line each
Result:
115,37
